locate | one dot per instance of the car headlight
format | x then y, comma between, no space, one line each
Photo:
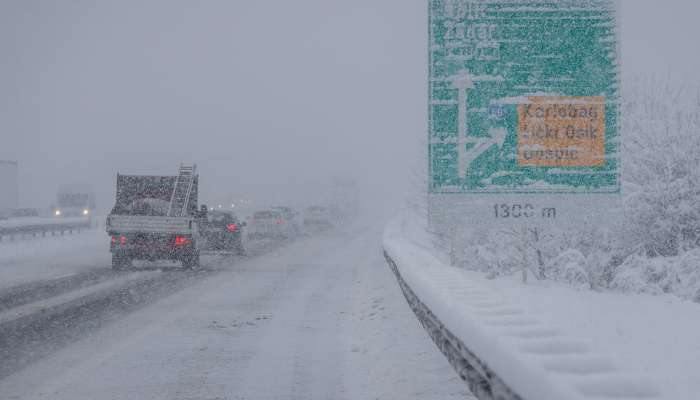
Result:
57,213
86,211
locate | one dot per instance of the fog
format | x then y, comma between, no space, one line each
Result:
270,98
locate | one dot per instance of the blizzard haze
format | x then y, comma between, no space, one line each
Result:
269,98
541,280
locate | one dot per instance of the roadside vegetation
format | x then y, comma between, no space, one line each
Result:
656,247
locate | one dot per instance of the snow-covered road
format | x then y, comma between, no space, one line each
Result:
320,318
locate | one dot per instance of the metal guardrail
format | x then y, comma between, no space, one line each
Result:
42,229
482,380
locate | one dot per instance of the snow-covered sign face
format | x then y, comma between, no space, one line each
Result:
523,98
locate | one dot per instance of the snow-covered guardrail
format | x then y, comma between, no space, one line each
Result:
41,226
503,349
482,381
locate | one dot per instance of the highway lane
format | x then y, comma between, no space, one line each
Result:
318,318
40,316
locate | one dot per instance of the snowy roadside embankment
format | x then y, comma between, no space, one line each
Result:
544,340
53,257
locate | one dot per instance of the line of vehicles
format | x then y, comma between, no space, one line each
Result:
158,218
72,200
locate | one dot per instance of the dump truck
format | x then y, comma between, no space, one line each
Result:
155,218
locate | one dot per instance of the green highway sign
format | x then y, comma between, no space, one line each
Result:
524,96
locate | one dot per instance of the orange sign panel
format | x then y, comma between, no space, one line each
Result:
557,131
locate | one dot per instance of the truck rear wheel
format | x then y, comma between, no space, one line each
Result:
191,261
238,246
120,262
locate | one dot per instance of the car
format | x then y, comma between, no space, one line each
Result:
222,230
317,217
291,217
270,224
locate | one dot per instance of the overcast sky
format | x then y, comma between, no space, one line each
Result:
269,98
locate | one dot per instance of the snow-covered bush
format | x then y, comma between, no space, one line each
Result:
495,253
581,258
679,275
687,276
571,267
641,274
600,249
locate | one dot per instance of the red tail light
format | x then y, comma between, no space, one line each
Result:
181,240
280,221
122,240
232,227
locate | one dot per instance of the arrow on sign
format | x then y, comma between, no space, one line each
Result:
478,146
469,148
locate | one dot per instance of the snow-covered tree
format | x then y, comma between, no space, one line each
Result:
661,170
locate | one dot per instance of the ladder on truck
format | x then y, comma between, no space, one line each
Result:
182,190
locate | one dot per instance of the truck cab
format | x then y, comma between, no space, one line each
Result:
74,201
